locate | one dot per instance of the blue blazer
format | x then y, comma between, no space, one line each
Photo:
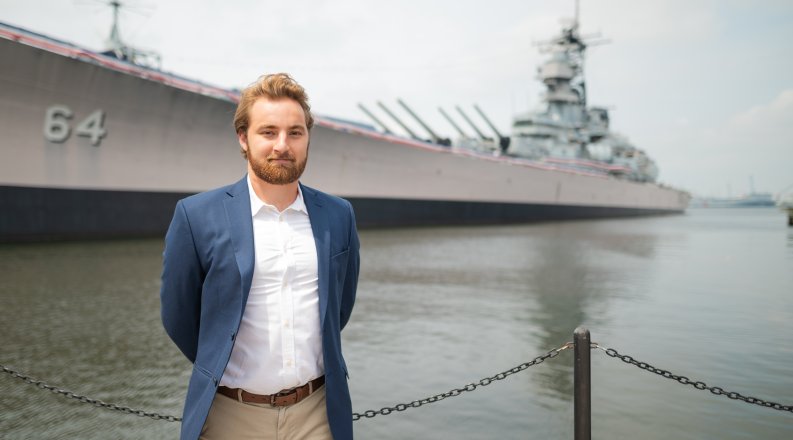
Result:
207,272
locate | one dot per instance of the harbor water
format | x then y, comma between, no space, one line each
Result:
707,295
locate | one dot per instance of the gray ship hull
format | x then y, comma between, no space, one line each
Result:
164,137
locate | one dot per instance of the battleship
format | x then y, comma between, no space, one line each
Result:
102,144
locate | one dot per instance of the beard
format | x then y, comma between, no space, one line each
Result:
278,173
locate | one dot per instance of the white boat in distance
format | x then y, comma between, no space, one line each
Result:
94,146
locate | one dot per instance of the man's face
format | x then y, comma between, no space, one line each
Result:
276,140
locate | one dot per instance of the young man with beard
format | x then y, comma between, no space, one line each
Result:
258,280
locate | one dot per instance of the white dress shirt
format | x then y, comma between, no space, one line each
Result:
279,343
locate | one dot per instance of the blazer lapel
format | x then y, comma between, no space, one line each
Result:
320,226
238,212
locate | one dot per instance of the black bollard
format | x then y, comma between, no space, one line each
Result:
582,385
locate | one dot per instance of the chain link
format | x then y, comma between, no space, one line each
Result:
696,384
95,402
457,391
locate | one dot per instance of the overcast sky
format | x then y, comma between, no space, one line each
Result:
705,87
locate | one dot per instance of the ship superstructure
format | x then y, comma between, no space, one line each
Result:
566,131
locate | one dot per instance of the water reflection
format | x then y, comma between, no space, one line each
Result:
578,269
524,287
790,237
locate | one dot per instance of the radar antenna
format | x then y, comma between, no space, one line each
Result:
118,49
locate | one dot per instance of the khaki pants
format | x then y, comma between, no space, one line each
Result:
233,420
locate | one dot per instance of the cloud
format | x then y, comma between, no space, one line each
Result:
642,23
764,131
775,118
757,141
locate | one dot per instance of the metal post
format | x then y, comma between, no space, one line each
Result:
582,385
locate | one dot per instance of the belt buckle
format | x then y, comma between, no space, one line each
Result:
281,394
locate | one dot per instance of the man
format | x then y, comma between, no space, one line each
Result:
258,280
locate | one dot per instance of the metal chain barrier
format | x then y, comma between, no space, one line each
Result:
438,397
457,391
95,402
355,416
696,384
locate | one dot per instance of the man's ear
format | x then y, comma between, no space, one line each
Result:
242,137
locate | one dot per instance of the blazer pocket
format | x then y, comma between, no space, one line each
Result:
338,267
343,253
205,372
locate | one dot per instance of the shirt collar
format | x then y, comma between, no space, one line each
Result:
257,204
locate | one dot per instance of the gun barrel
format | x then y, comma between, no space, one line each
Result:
435,138
487,121
375,119
454,124
401,124
503,142
471,123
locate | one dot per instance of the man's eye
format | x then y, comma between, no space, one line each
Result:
296,133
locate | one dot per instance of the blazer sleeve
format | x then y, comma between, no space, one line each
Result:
351,278
182,279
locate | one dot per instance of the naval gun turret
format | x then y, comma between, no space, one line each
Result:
487,142
433,137
464,141
503,141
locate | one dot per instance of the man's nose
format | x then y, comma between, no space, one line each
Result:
281,143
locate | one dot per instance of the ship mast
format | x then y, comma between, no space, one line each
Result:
115,36
118,49
575,17
574,34
563,74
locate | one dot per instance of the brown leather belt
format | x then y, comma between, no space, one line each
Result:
281,398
